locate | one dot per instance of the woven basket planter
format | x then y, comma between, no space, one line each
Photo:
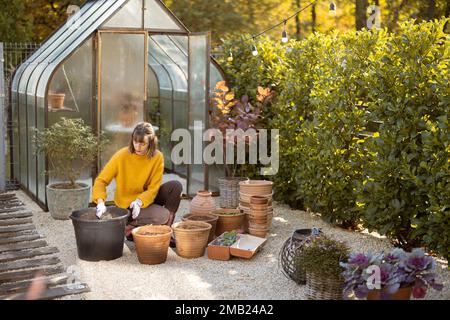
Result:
209,218
191,238
321,288
229,219
152,243
229,191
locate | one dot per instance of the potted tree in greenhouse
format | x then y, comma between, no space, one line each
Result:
70,147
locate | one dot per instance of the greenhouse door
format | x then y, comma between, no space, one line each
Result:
122,75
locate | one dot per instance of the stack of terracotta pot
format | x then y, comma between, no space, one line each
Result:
255,200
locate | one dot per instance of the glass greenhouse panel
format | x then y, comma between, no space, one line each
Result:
31,120
172,50
152,83
70,90
130,16
181,42
122,88
15,142
157,17
40,117
23,158
198,104
165,130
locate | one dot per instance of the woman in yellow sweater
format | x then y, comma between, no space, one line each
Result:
138,170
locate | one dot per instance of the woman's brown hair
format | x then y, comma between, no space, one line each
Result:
142,130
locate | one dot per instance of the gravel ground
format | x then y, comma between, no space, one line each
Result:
202,278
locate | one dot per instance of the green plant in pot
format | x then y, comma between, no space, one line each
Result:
227,115
321,260
70,147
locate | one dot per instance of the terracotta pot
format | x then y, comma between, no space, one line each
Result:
56,100
262,233
259,200
256,187
202,203
208,218
152,243
191,238
229,219
244,197
401,294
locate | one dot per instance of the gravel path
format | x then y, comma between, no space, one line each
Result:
202,278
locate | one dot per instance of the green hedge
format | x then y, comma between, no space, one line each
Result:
363,119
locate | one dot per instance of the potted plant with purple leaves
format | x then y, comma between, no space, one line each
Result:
227,115
389,277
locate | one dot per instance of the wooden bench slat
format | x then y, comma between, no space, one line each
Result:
17,228
26,264
23,245
15,276
22,286
17,233
16,255
53,293
27,237
15,222
6,216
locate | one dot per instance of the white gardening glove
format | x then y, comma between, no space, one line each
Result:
101,209
136,206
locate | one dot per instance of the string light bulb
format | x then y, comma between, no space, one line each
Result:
230,57
333,9
284,37
254,50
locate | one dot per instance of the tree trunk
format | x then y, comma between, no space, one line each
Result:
313,18
431,14
360,13
297,21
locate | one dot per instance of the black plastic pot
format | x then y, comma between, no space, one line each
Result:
100,239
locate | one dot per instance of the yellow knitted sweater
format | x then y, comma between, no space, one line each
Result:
136,177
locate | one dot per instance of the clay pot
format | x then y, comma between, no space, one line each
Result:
152,243
401,294
262,233
229,219
202,203
56,100
191,238
259,200
208,218
256,187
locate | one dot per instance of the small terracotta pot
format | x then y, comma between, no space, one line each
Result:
202,203
56,100
191,238
152,243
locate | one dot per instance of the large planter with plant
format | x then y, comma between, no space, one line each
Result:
400,274
230,114
229,220
321,260
70,146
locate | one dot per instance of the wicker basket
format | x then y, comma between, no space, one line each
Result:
292,268
152,243
321,288
229,191
191,238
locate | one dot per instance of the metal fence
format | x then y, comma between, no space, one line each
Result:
11,56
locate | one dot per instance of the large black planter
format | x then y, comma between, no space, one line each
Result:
99,239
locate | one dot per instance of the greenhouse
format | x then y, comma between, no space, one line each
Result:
114,64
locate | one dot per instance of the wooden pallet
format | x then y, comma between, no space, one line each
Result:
25,256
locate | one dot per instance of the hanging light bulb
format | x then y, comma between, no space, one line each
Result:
230,57
333,9
254,50
284,37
